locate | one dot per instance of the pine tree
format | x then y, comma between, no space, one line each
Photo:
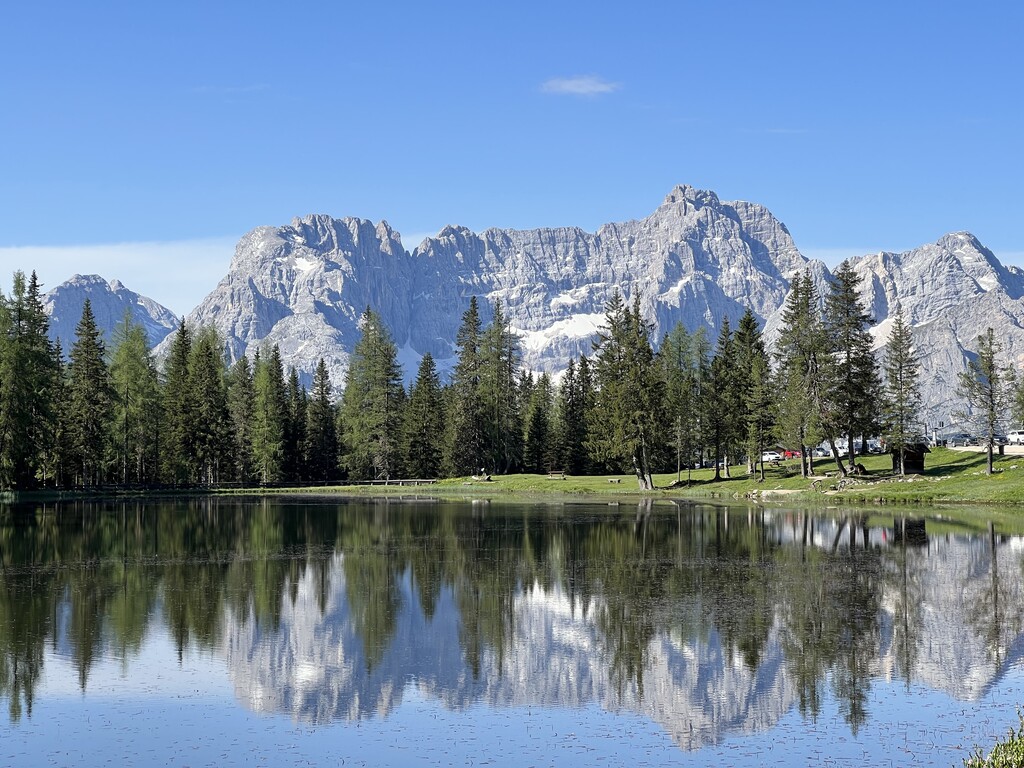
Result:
988,386
538,439
135,388
90,401
321,447
465,438
722,403
499,363
424,423
571,430
629,392
752,369
854,388
241,411
372,404
295,429
902,395
177,443
211,422
269,413
28,378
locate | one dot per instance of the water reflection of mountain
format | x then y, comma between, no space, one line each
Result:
314,666
945,618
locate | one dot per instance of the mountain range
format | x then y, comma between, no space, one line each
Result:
696,259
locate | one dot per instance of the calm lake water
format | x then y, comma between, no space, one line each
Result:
393,632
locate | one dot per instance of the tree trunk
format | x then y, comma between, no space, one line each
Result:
836,456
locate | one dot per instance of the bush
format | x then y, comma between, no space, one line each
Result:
1005,754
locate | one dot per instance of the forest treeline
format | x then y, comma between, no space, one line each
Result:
104,413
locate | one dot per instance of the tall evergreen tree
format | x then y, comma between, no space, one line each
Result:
28,377
135,389
988,387
177,437
424,423
241,410
211,423
723,402
465,439
499,364
854,391
538,442
295,429
901,401
803,366
572,420
752,369
629,392
372,404
90,401
270,408
321,447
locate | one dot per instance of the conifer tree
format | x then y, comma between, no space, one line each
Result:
854,388
241,411
538,441
269,413
629,392
28,378
211,422
988,387
90,401
571,431
177,443
902,395
295,429
424,423
372,404
135,389
752,370
723,402
465,438
499,363
321,447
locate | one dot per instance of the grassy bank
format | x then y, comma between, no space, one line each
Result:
955,477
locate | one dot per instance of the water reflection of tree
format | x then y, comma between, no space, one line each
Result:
996,605
830,617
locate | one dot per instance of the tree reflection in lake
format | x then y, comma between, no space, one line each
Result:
709,621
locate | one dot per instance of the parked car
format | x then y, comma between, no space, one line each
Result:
791,454
959,440
1015,437
772,456
821,453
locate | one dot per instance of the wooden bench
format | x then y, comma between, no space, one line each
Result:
556,475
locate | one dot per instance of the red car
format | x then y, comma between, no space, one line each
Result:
788,454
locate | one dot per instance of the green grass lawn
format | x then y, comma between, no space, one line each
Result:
950,477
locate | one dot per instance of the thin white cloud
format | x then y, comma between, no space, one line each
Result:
581,85
177,274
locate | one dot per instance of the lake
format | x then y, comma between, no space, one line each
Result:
219,631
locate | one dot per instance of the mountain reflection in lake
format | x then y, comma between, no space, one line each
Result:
398,632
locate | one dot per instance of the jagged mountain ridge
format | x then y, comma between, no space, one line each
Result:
109,302
303,286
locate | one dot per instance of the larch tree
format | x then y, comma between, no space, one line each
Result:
901,401
988,387
270,406
135,388
177,443
465,438
241,412
321,446
211,422
499,364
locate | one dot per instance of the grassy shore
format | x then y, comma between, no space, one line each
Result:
951,477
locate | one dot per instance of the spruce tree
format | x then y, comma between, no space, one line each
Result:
499,364
372,404
538,439
629,392
90,401
135,388
321,446
424,423
211,422
295,429
902,395
854,389
28,378
465,438
268,419
752,369
177,441
722,404
241,411
571,430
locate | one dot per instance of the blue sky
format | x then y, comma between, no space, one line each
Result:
141,139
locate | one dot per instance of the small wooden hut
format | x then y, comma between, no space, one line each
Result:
913,458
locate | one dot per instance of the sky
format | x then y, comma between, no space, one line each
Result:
141,140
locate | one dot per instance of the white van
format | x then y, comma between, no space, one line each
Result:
1015,437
